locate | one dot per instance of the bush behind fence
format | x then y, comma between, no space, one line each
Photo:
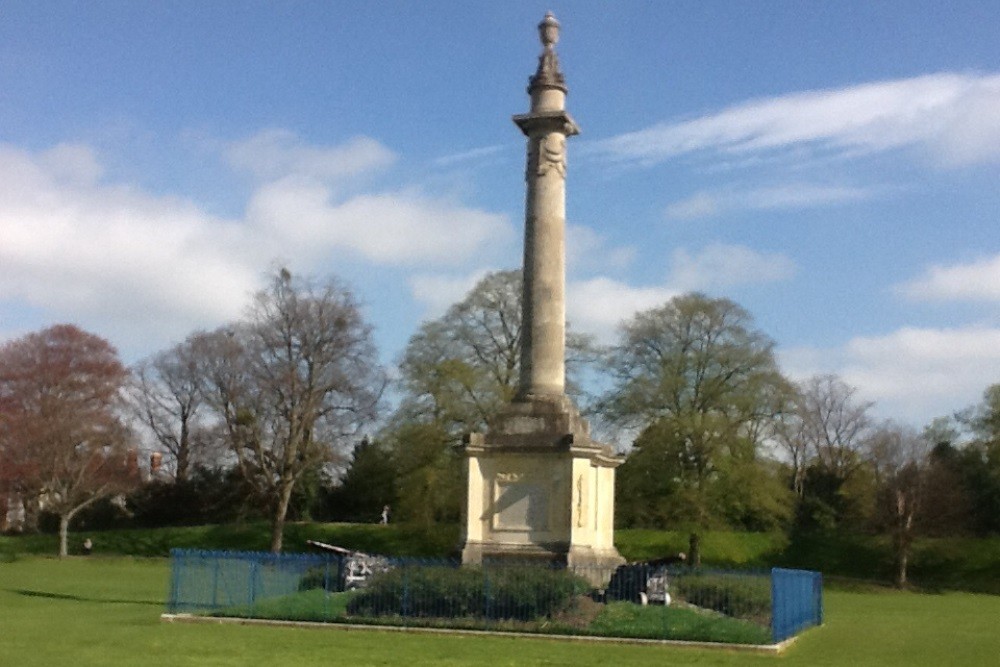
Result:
639,600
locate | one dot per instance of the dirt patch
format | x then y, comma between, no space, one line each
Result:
581,614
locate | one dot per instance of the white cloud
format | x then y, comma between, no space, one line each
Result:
470,155
913,374
702,204
109,253
587,249
720,266
708,203
597,306
976,281
439,292
399,228
148,269
277,153
956,117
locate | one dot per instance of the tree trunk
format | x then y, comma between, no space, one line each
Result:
64,520
902,559
694,550
183,453
278,520
904,536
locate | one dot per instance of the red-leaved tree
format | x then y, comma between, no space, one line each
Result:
61,440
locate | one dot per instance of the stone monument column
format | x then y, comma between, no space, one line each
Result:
538,485
547,125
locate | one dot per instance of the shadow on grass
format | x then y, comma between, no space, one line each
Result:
77,598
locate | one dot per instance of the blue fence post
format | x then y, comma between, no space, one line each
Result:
252,593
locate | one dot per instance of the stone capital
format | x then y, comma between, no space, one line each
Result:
545,122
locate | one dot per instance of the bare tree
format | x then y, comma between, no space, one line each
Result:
59,426
790,436
835,426
899,459
293,385
168,397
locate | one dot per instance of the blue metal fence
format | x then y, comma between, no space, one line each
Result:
638,600
796,602
211,581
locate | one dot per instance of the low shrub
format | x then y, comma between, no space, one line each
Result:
326,577
509,592
736,595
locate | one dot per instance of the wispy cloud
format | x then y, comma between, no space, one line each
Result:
278,153
710,203
720,266
975,281
466,156
955,117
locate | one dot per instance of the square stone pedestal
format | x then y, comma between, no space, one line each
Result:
539,488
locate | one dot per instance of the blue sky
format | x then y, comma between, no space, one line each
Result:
831,166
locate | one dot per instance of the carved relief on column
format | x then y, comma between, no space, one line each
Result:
546,153
552,154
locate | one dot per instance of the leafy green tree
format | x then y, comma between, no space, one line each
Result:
979,461
700,383
367,485
456,374
429,474
460,370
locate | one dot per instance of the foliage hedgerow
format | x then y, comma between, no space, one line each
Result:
326,577
509,592
736,595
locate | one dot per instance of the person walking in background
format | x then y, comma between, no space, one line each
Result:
385,515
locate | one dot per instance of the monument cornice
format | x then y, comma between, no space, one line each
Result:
542,122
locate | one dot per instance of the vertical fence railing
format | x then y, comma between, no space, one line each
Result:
796,602
236,581
534,597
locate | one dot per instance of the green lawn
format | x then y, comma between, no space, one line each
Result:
100,612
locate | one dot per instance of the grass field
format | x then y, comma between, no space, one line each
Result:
105,611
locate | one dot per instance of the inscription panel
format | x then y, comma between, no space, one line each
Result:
520,505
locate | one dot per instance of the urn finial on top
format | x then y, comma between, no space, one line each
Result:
548,74
548,30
